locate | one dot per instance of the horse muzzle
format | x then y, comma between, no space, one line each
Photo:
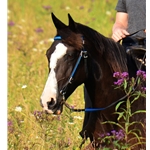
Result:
52,107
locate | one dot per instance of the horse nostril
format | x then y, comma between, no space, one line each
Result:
51,103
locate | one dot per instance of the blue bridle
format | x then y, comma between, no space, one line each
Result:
83,54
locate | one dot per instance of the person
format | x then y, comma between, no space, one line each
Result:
130,27
130,18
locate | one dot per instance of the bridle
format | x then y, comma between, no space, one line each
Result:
83,54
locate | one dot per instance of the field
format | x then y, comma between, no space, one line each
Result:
30,34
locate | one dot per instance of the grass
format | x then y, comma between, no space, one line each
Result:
30,30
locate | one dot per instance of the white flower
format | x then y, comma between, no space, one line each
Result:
108,13
24,86
23,20
41,42
18,109
36,137
34,49
51,39
67,7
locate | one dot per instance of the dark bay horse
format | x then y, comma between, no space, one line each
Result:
80,55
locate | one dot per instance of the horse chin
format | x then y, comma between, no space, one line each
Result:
56,111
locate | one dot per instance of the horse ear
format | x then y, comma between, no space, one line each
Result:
58,24
72,24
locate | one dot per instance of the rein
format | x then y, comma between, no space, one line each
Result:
83,54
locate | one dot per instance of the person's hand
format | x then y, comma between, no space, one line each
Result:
119,34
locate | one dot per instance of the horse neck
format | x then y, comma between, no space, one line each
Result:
99,83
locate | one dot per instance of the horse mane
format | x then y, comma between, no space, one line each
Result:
113,52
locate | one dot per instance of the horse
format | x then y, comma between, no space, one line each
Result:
81,55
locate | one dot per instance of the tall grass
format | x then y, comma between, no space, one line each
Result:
30,30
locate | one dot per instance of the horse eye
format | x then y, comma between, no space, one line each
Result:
71,54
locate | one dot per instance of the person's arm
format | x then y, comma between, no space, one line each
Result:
119,28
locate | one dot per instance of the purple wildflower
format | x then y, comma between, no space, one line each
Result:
47,7
119,82
9,123
11,23
107,134
69,141
39,30
102,135
117,75
125,75
81,7
58,118
38,114
10,126
120,135
141,74
89,10
113,132
143,89
72,107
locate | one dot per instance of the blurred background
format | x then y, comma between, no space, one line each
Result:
30,33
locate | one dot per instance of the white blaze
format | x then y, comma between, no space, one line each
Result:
50,89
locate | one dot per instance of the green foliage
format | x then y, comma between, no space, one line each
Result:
133,89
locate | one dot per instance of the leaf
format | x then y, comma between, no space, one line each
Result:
118,105
111,122
139,143
138,111
128,107
138,81
135,122
136,98
135,134
125,84
119,113
120,116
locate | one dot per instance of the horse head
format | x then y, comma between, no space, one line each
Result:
64,71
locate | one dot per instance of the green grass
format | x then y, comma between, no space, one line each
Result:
27,67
